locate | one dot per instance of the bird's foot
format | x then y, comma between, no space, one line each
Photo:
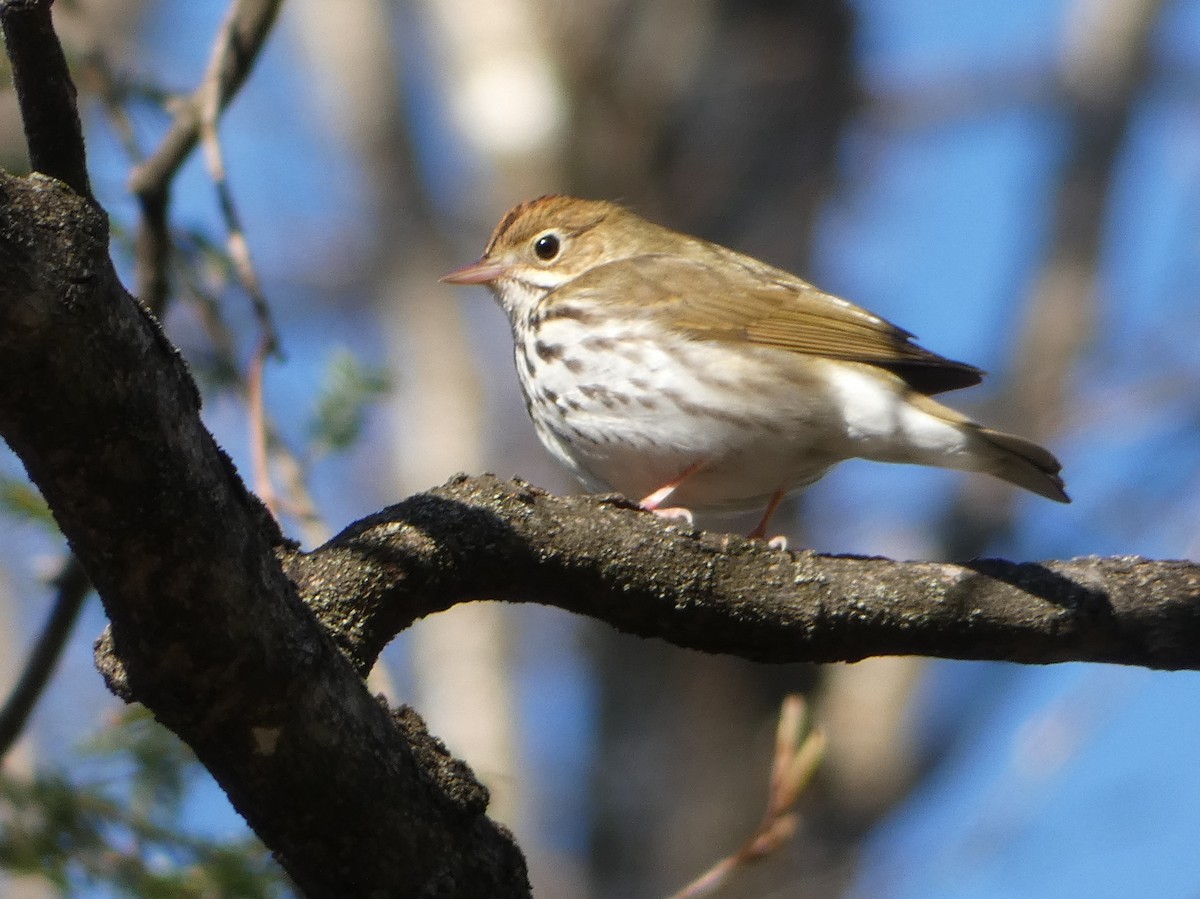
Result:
674,513
654,502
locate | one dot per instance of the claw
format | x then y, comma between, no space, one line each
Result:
676,513
653,502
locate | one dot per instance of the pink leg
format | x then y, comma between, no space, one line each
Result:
653,502
760,531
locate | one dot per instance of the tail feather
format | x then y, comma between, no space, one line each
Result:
922,430
1026,464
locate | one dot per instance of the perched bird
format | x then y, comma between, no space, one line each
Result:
666,367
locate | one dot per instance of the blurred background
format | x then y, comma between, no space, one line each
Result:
1017,182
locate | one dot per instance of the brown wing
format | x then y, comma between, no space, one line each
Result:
740,298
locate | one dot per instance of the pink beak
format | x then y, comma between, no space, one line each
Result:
481,272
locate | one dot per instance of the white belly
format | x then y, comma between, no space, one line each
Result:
630,416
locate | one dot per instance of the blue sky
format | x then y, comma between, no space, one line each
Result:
1070,780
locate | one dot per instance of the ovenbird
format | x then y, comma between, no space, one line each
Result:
663,366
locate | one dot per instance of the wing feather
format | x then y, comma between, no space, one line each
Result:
726,296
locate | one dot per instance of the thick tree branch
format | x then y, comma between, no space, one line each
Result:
206,630
483,538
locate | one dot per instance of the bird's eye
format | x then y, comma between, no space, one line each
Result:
546,247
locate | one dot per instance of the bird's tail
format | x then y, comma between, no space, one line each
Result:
1024,463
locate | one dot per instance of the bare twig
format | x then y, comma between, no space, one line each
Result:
98,71
73,588
798,753
46,94
296,499
242,36
255,410
239,249
269,450
239,42
211,99
236,47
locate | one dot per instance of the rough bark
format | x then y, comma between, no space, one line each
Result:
206,630
483,538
